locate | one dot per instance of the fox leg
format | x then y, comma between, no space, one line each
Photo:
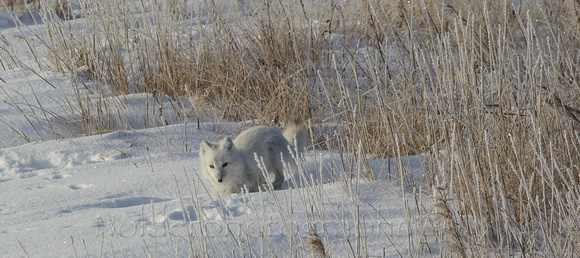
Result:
279,179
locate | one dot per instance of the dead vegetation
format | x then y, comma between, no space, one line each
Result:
487,90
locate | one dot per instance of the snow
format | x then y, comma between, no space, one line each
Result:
139,192
115,193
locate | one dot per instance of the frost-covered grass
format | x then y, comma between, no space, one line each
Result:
487,93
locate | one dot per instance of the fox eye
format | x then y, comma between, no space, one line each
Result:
225,165
211,166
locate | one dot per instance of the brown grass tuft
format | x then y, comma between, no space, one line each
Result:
315,244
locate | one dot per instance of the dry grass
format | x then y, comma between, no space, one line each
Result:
315,243
20,5
490,91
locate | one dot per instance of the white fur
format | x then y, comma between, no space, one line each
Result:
234,163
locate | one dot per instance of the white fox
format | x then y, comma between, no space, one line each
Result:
231,165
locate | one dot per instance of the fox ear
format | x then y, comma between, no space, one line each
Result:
227,143
204,146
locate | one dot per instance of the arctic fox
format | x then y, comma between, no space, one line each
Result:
231,165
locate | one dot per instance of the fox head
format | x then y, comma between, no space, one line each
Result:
219,160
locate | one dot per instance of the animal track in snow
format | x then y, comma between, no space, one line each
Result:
115,203
227,207
80,186
25,163
189,214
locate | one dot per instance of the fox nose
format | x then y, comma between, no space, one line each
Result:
220,180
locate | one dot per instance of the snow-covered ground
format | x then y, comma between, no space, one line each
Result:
139,192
